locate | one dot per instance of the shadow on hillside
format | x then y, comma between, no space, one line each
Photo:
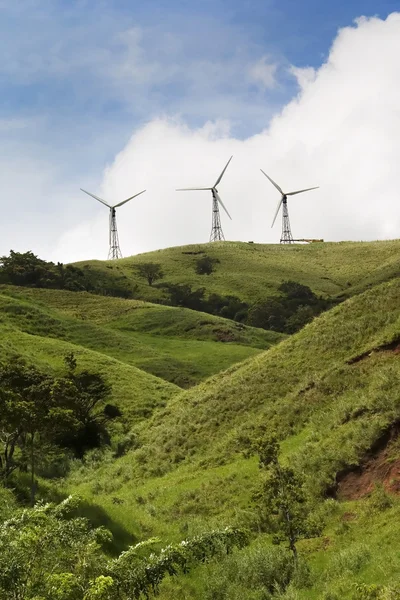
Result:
98,517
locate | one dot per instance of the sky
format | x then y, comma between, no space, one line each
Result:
116,96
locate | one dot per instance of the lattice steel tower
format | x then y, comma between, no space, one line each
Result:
286,236
114,249
217,234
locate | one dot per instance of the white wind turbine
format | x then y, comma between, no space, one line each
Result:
216,229
286,236
114,249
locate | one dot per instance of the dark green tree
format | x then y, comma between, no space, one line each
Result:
25,269
268,314
40,414
150,271
29,418
205,265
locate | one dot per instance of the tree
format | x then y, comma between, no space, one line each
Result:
297,291
268,314
25,269
83,394
283,496
40,414
205,265
183,295
29,418
150,271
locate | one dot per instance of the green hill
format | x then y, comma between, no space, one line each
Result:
252,271
176,344
329,392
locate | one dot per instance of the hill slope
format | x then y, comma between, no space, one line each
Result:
175,344
330,391
252,271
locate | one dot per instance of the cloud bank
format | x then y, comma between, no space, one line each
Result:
342,132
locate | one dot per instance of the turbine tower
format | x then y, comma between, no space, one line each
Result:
286,236
217,234
114,250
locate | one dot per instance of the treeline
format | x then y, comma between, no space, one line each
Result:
293,307
26,269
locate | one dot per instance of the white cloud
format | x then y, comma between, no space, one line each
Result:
303,75
342,132
263,72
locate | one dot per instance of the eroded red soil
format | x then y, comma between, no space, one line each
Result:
381,467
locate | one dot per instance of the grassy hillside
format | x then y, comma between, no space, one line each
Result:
252,271
175,344
331,394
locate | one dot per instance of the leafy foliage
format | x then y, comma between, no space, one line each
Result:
47,553
26,269
205,265
150,271
288,313
40,413
284,497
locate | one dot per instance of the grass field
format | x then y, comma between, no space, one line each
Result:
175,344
330,393
252,271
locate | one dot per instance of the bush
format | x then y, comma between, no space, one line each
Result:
263,570
352,560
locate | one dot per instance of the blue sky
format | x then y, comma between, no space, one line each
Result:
82,69
78,77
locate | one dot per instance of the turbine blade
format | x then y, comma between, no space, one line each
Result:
222,174
222,204
273,182
277,210
301,191
192,189
96,198
109,227
127,200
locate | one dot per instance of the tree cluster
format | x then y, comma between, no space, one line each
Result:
296,306
26,269
42,417
182,294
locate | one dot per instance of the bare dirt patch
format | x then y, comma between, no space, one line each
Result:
381,466
392,347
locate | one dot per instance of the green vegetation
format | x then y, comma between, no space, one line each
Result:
174,344
181,464
255,271
49,553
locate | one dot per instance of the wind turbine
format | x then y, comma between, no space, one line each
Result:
114,250
216,229
286,236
